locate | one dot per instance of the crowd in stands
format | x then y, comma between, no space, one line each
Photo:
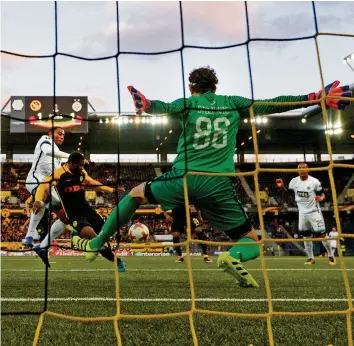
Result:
14,175
129,176
13,229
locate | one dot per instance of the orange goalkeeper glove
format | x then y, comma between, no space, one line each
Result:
333,90
141,103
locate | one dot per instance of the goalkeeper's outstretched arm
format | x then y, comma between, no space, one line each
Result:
243,104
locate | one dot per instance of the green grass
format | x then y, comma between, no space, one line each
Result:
165,288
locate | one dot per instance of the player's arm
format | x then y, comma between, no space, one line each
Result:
283,189
243,104
26,223
142,104
172,108
29,200
200,218
99,186
320,195
168,217
47,149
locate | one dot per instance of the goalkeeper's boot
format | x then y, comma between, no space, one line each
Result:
310,261
207,259
332,261
121,265
42,254
180,259
234,267
84,245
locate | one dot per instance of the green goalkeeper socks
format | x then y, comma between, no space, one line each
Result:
126,209
245,253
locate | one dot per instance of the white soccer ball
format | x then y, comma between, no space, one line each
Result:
138,233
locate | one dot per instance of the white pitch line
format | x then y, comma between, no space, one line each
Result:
169,270
177,300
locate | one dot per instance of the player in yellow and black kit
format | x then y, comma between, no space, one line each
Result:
68,182
179,222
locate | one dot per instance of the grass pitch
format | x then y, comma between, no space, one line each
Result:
154,285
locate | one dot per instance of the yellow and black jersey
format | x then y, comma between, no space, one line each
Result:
68,185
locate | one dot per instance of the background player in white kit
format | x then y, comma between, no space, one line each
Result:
47,158
308,194
332,234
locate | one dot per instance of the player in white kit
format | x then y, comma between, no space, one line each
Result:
47,159
308,194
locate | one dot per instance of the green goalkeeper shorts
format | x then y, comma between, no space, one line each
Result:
214,196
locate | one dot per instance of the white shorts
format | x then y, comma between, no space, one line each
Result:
312,222
31,186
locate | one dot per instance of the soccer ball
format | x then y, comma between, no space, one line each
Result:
138,233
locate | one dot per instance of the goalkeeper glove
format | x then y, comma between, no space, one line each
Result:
333,90
141,103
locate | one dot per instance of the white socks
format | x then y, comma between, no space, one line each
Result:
56,230
327,245
33,224
309,247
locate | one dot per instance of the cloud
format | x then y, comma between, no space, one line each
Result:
157,28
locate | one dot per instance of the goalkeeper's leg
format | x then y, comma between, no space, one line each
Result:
88,233
231,261
226,213
88,226
119,216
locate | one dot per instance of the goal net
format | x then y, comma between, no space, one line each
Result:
121,134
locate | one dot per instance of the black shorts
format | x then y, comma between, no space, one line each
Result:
87,217
180,221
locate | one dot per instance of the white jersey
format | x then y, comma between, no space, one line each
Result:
333,242
43,163
305,193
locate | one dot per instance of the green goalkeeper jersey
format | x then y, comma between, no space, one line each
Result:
210,127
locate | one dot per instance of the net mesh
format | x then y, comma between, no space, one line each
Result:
270,314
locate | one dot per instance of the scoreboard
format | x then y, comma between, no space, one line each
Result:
40,113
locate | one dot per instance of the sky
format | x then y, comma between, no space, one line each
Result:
89,29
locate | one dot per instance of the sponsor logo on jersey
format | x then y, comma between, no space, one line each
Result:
74,188
303,194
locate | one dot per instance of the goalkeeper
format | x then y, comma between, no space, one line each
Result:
210,123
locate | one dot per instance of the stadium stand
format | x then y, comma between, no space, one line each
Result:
278,225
